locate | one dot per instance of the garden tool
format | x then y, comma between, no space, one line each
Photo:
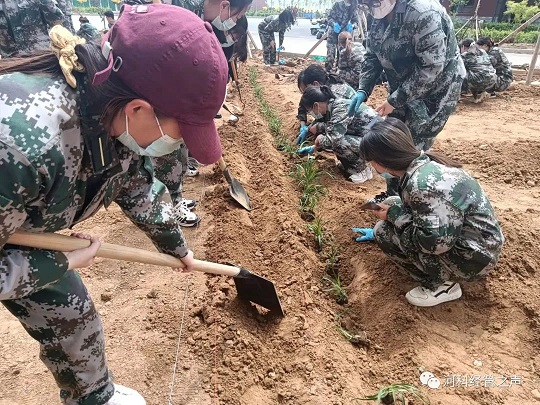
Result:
249,286
236,189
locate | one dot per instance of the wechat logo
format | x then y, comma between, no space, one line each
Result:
429,379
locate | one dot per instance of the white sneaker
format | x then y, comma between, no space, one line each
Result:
188,204
424,297
480,97
125,396
362,176
192,171
185,217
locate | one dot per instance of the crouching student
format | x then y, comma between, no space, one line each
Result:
351,57
442,227
481,75
337,131
503,67
316,75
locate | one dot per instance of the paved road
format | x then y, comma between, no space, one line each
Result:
299,39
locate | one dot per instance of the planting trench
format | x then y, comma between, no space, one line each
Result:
233,353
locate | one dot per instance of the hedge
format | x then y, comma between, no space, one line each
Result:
89,10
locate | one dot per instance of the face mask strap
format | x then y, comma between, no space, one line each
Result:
159,125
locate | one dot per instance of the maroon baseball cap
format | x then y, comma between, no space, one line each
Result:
172,59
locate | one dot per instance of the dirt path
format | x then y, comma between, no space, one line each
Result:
232,354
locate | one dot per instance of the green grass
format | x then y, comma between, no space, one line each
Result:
275,124
307,175
335,288
397,393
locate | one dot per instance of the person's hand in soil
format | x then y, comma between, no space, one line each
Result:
384,109
83,257
189,262
383,212
366,234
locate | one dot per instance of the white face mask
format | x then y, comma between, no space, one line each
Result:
162,146
229,41
226,25
383,10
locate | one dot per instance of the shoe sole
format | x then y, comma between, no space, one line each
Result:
184,225
450,297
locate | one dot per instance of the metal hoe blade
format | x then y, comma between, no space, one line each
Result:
237,191
259,290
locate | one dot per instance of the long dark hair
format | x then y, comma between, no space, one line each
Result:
314,94
113,94
389,143
238,5
485,41
286,17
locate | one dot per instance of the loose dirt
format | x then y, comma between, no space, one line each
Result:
233,353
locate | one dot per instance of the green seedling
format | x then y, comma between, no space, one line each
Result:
321,234
333,259
337,290
396,394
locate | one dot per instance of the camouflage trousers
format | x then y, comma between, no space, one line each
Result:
350,161
501,84
331,52
269,49
170,170
63,319
430,270
478,86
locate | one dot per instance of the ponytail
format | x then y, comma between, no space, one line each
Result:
389,143
314,94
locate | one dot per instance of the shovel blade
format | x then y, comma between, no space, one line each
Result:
237,191
258,290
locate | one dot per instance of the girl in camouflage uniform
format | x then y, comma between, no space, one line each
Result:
351,57
76,135
315,75
481,75
337,131
442,226
500,62
267,28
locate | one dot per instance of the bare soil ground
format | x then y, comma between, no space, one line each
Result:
232,353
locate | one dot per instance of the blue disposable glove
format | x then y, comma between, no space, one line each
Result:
306,150
282,62
367,234
304,129
280,49
337,28
349,27
356,102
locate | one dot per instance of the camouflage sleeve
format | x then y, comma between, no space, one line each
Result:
336,127
302,113
281,36
431,225
23,271
429,42
369,73
50,11
146,201
332,17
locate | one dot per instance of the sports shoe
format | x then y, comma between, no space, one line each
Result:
424,297
125,396
192,171
188,204
185,217
361,177
379,198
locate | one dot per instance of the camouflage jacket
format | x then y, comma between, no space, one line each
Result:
59,168
443,210
66,6
500,62
480,71
272,24
342,14
350,64
419,53
89,32
24,25
340,90
341,132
